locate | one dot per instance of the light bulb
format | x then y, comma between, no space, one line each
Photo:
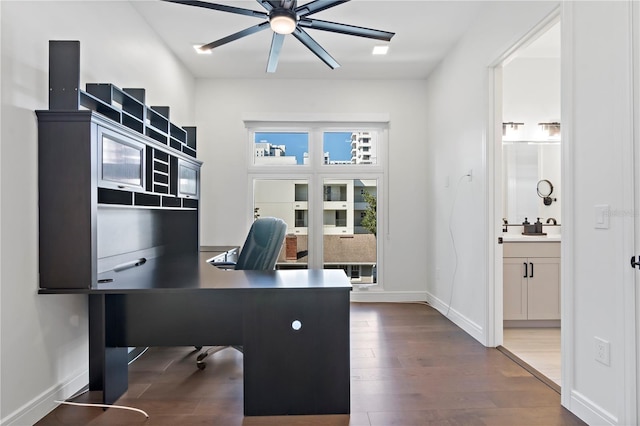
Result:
282,23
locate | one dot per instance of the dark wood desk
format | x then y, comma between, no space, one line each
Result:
184,301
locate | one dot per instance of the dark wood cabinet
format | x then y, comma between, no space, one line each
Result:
109,196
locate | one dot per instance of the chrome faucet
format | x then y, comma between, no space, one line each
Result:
551,219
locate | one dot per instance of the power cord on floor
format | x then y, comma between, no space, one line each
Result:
88,404
91,404
453,243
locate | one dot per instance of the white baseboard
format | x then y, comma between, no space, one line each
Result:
42,405
388,296
589,412
472,328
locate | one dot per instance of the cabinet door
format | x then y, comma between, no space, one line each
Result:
188,179
544,289
515,272
121,161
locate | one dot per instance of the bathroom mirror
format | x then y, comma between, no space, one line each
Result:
530,170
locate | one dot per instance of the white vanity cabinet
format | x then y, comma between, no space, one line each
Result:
531,280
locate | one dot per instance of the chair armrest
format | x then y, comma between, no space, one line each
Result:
224,265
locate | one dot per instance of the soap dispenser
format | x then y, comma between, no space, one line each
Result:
528,228
538,227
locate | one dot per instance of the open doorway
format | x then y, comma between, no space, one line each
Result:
531,190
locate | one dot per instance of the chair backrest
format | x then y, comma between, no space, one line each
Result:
263,244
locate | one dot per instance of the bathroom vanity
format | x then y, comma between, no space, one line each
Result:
531,280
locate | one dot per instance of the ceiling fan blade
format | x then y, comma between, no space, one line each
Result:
312,45
269,4
248,31
274,53
335,27
221,7
317,6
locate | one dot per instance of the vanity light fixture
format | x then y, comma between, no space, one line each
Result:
551,129
510,127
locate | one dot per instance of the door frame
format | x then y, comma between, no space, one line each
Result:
494,178
635,44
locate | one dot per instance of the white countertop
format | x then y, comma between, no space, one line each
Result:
530,238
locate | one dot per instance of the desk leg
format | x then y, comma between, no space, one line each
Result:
108,369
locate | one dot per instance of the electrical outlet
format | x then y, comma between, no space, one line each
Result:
470,175
602,351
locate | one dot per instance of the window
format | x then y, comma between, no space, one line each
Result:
281,148
324,182
344,148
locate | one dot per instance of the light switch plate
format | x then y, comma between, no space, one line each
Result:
603,351
601,216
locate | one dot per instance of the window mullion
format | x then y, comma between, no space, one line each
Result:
316,212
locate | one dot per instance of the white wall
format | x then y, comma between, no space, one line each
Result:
597,280
44,350
223,143
458,107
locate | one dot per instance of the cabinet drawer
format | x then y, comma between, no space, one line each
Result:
532,249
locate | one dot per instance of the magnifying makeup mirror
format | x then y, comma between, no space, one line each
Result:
545,189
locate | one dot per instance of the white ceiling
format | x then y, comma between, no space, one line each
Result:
425,31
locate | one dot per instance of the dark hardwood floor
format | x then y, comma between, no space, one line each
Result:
409,366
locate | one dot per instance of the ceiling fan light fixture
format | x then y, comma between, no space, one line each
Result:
283,21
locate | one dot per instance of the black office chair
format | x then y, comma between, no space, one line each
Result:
259,253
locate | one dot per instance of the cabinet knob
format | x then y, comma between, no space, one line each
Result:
634,263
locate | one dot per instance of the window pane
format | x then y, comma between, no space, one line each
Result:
286,199
350,228
349,148
281,148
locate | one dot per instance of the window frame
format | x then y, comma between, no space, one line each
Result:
315,172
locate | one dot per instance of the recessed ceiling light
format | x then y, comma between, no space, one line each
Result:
200,51
380,50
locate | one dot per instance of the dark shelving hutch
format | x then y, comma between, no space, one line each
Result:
112,186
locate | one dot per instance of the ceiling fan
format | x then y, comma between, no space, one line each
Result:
286,17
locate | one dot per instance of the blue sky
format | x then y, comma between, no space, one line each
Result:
338,144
